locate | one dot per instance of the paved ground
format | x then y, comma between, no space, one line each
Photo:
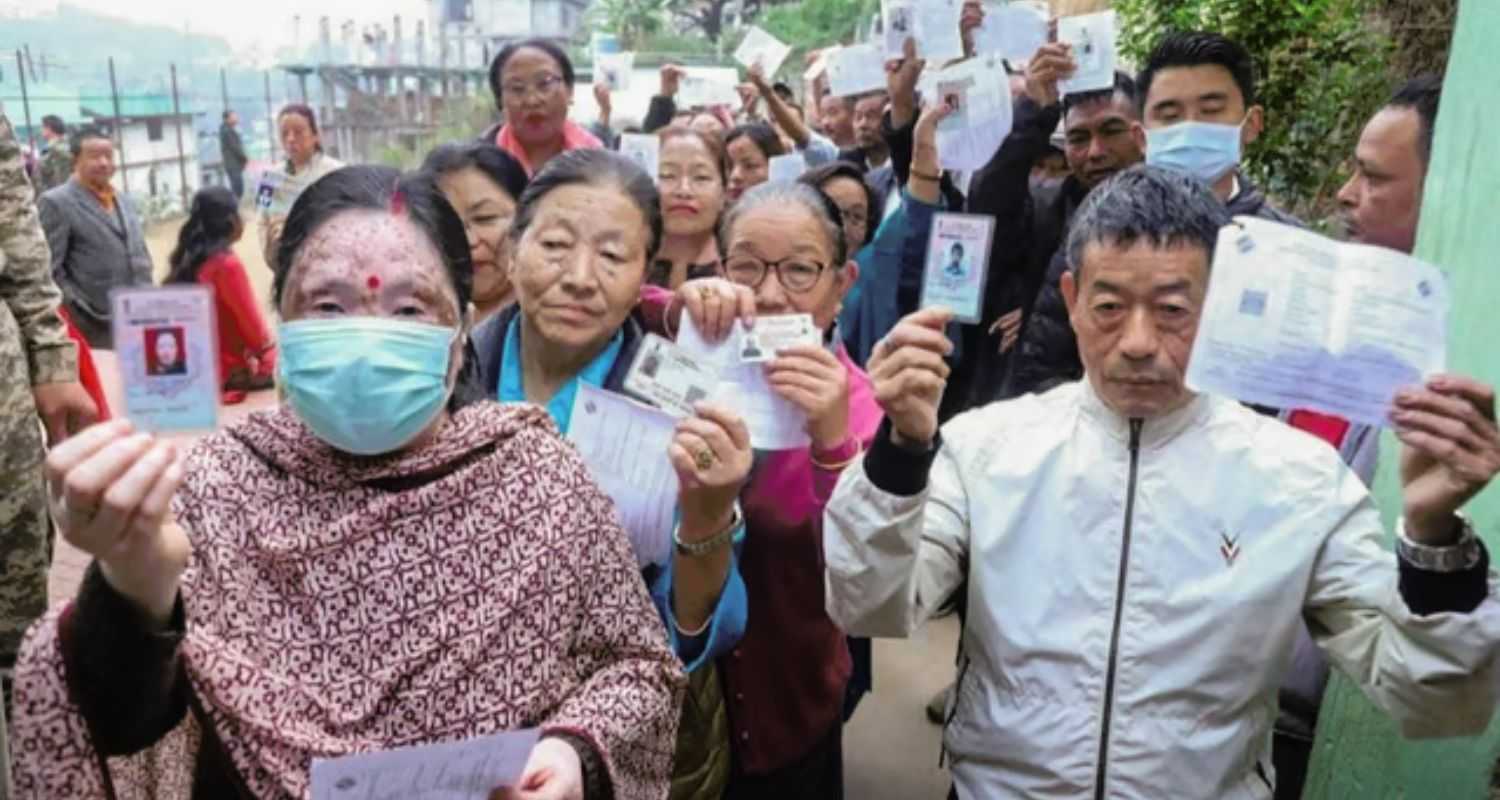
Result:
890,750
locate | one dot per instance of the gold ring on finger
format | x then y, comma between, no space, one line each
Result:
704,458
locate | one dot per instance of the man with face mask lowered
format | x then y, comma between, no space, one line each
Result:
1139,558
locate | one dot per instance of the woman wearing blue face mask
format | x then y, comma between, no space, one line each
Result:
585,229
387,560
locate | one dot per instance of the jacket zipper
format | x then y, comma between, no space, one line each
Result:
1114,637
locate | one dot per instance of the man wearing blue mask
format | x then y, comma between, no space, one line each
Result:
1198,105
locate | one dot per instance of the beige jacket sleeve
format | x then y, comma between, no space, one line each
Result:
893,561
1436,675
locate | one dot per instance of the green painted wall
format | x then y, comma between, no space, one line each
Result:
1359,753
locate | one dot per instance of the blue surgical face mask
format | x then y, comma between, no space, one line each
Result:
1205,150
365,385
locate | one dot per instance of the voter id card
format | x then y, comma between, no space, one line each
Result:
771,335
957,264
665,375
166,341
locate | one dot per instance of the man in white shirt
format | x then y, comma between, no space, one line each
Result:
1139,558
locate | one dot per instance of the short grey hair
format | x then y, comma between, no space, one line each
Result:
782,194
1163,208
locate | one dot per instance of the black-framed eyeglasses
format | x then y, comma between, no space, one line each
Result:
795,274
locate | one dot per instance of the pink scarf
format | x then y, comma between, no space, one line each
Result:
338,605
574,138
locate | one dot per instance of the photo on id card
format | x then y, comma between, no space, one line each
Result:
166,341
666,376
956,267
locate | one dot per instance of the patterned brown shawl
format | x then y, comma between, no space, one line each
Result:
337,605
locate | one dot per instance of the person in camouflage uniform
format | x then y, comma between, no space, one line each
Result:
38,379
57,162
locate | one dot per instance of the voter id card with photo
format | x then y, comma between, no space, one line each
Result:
957,264
166,341
667,376
771,335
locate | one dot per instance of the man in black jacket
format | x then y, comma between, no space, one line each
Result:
232,151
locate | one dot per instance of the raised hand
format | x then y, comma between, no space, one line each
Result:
1451,451
1008,327
909,372
553,772
1053,62
711,453
901,80
815,381
713,304
110,489
671,79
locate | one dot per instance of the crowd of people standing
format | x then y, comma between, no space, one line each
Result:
1152,583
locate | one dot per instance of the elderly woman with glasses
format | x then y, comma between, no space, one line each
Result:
785,251
533,85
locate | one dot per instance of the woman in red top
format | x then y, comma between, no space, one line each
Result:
204,254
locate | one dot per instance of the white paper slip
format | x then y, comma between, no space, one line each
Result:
614,69
644,149
956,267
898,22
938,38
1014,31
665,375
708,86
466,770
979,92
1093,39
166,341
1296,320
856,70
772,335
759,47
788,167
774,423
625,445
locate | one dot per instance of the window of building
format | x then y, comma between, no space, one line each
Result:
153,129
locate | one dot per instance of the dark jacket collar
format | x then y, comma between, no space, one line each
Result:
487,349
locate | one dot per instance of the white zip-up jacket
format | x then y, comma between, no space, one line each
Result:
1134,593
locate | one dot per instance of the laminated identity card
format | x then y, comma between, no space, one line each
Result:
1093,39
277,191
957,264
642,148
669,377
759,47
613,70
166,343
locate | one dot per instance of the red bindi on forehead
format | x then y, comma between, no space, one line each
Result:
373,282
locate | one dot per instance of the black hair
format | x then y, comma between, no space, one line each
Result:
1422,95
1125,88
594,168
499,166
226,114
375,188
75,142
821,175
958,247
497,66
763,136
54,123
1147,204
784,194
1197,48
208,231
783,91
304,111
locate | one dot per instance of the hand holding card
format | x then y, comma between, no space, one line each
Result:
166,341
815,381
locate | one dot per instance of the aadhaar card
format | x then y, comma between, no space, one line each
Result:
771,335
667,376
166,341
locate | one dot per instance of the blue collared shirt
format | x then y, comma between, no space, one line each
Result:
512,388
728,622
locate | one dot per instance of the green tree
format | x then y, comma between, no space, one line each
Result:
633,21
1323,69
815,24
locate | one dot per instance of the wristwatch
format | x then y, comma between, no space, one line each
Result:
712,543
1457,557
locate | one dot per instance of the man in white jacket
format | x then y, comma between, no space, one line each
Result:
1139,558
